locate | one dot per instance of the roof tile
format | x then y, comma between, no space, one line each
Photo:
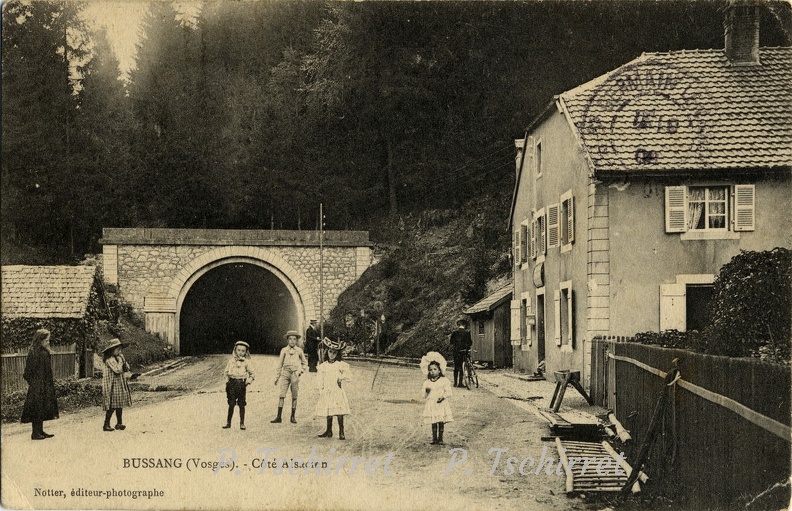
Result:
46,291
687,110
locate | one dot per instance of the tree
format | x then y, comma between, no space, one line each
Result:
42,50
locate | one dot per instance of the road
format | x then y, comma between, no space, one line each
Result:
171,446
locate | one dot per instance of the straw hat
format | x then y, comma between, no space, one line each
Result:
430,357
242,343
113,343
295,333
334,345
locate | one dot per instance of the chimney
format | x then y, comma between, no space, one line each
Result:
742,33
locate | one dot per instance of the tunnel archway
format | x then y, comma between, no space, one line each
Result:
233,301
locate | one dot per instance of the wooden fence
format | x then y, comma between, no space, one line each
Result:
65,363
725,436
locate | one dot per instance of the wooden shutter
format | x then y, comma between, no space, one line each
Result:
515,322
675,209
525,241
533,238
557,316
541,233
570,318
552,226
672,307
571,219
516,246
744,207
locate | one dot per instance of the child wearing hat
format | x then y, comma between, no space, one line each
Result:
291,365
115,389
238,376
437,390
332,398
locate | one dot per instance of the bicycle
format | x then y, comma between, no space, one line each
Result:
469,375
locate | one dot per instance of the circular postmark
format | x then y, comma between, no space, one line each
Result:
646,114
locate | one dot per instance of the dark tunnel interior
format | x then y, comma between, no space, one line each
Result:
234,302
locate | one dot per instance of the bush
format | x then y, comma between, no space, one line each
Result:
751,310
72,395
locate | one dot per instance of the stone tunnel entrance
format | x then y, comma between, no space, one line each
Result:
236,301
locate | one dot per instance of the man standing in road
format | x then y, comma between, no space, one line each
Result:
460,343
312,346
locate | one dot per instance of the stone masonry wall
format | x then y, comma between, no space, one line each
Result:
144,269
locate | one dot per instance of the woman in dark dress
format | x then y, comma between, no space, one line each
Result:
40,404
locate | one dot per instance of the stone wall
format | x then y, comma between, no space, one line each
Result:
153,267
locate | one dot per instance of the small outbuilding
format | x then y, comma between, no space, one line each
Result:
490,325
66,300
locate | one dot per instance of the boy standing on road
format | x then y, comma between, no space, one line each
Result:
460,343
238,377
292,364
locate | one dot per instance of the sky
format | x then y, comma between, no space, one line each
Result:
122,20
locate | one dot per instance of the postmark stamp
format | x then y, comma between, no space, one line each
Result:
646,114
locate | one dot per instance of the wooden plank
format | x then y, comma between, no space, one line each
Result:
565,463
623,463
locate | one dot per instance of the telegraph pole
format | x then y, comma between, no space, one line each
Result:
321,271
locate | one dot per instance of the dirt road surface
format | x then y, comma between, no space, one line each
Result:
172,446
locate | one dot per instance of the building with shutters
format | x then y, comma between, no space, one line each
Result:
634,189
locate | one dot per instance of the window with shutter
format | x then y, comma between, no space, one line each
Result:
552,226
567,221
525,241
516,247
744,207
675,209
541,233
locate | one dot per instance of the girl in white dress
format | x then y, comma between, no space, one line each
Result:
436,391
331,373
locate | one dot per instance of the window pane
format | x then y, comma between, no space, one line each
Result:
717,222
717,193
717,208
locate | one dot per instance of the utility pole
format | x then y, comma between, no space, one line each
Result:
321,271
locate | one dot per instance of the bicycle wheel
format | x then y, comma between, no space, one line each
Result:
466,374
474,376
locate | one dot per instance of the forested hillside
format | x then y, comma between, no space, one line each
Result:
251,114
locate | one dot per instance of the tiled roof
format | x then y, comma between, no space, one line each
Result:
490,302
45,291
687,110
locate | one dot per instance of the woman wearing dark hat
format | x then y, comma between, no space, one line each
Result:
331,374
115,389
291,366
238,376
40,404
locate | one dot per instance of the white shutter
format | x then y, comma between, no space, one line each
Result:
744,207
675,209
571,219
541,232
517,255
524,246
515,322
570,319
672,307
533,239
552,226
557,316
